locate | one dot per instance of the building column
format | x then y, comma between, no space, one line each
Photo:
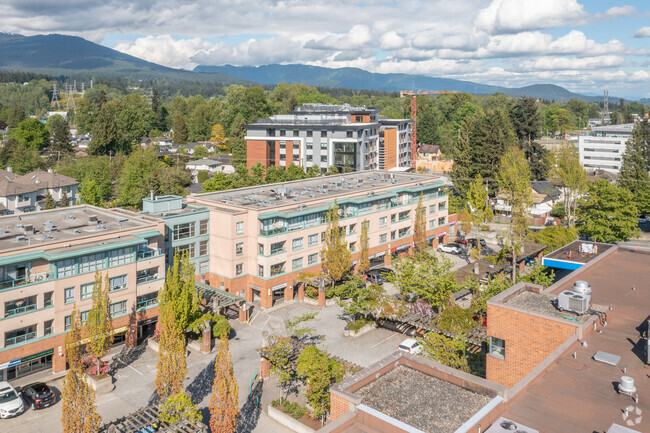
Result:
58,359
321,297
522,266
301,292
445,239
249,294
288,292
131,337
265,368
267,298
388,258
206,340
242,313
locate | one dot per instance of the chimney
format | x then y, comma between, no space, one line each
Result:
151,195
10,170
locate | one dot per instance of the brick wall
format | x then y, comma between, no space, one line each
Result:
257,151
338,406
529,339
390,148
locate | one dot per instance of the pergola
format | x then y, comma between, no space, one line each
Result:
143,421
217,297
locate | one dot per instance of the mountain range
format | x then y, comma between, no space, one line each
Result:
56,54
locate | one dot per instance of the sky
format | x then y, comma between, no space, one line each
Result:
584,46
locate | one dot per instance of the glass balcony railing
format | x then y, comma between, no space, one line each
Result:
146,303
20,310
12,341
31,279
146,278
147,254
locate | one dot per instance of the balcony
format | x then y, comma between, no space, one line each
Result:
31,279
272,232
146,303
20,310
12,341
147,254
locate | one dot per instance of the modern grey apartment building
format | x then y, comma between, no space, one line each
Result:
330,135
604,147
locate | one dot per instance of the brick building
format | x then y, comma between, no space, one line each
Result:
48,262
262,237
330,135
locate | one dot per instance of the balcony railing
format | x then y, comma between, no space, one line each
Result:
146,278
277,271
147,303
31,279
20,310
49,330
12,341
147,254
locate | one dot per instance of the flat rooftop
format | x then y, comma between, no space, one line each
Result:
579,395
542,303
416,399
56,225
574,255
304,191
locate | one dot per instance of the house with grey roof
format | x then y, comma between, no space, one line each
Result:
27,193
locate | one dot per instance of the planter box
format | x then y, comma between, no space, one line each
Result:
328,302
152,344
288,421
102,385
364,329
197,346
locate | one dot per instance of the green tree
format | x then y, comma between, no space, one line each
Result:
493,287
16,115
179,291
279,351
180,130
90,193
98,327
557,120
59,135
31,133
335,256
479,206
567,169
105,130
85,115
320,373
138,177
364,261
20,157
65,201
200,152
200,123
447,351
636,163
553,237
420,228
224,402
513,178
608,213
218,182
539,274
49,201
179,407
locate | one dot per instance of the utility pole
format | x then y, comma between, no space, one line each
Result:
55,97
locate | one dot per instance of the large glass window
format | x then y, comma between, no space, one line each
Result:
296,264
118,309
65,268
297,244
203,248
312,259
68,295
120,257
313,240
277,269
117,283
203,227
86,291
91,263
497,347
183,231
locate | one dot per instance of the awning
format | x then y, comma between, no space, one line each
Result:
452,223
431,237
400,248
279,287
374,256
115,331
442,234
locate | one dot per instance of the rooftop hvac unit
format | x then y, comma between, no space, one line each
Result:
504,425
583,288
572,301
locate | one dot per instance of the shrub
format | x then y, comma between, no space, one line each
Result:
89,364
358,324
290,408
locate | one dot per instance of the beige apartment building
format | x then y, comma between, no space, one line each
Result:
262,237
48,262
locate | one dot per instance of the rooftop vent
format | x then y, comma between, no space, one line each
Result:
122,220
572,301
19,226
626,385
69,217
21,238
29,229
92,218
2,231
504,425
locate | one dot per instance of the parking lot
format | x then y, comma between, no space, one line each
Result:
134,377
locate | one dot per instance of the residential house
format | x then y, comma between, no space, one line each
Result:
27,193
221,163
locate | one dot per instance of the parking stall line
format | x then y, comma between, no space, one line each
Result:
382,341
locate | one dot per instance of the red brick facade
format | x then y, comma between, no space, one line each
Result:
257,151
529,339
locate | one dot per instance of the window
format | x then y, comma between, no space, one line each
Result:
183,231
393,218
353,246
239,227
277,248
68,295
432,224
203,227
310,157
86,291
84,317
48,327
260,271
67,322
117,283
47,299
91,263
353,229
117,309
65,268
382,221
277,269
383,238
296,264
497,347
295,133
323,158
120,256
323,133
313,240
441,221
260,249
403,232
392,235
442,206
348,134
358,119
309,145
310,133
296,146
239,268
283,133
203,248
239,248
189,248
312,259
432,208
297,244
283,145
23,197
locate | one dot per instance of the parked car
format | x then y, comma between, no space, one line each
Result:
472,242
410,345
643,219
38,396
374,277
10,402
450,248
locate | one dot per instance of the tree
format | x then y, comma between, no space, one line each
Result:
179,291
218,182
200,152
20,157
513,178
539,274
172,365
90,193
429,276
335,255
98,327
566,167
180,130
557,120
32,133
138,177
636,163
608,213
479,210
79,413
420,227
553,237
65,201
224,402
49,201
105,130
278,352
364,261
320,373
16,115
218,136
179,407
527,121
59,135
445,350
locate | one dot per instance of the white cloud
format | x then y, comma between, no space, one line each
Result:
617,12
165,50
391,41
553,63
643,32
358,37
509,16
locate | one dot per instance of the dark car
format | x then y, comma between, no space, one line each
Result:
374,277
472,242
38,395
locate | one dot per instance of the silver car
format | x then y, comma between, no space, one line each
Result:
10,402
450,248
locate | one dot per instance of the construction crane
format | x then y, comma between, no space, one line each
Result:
414,114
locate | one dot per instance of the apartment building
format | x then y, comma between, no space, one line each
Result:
48,262
186,228
330,135
262,237
27,193
604,147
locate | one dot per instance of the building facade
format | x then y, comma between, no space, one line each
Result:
326,136
604,147
262,238
48,264
27,193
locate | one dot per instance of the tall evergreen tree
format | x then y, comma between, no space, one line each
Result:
59,135
420,227
636,163
224,402
65,200
49,201
16,115
335,255
105,130
180,129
